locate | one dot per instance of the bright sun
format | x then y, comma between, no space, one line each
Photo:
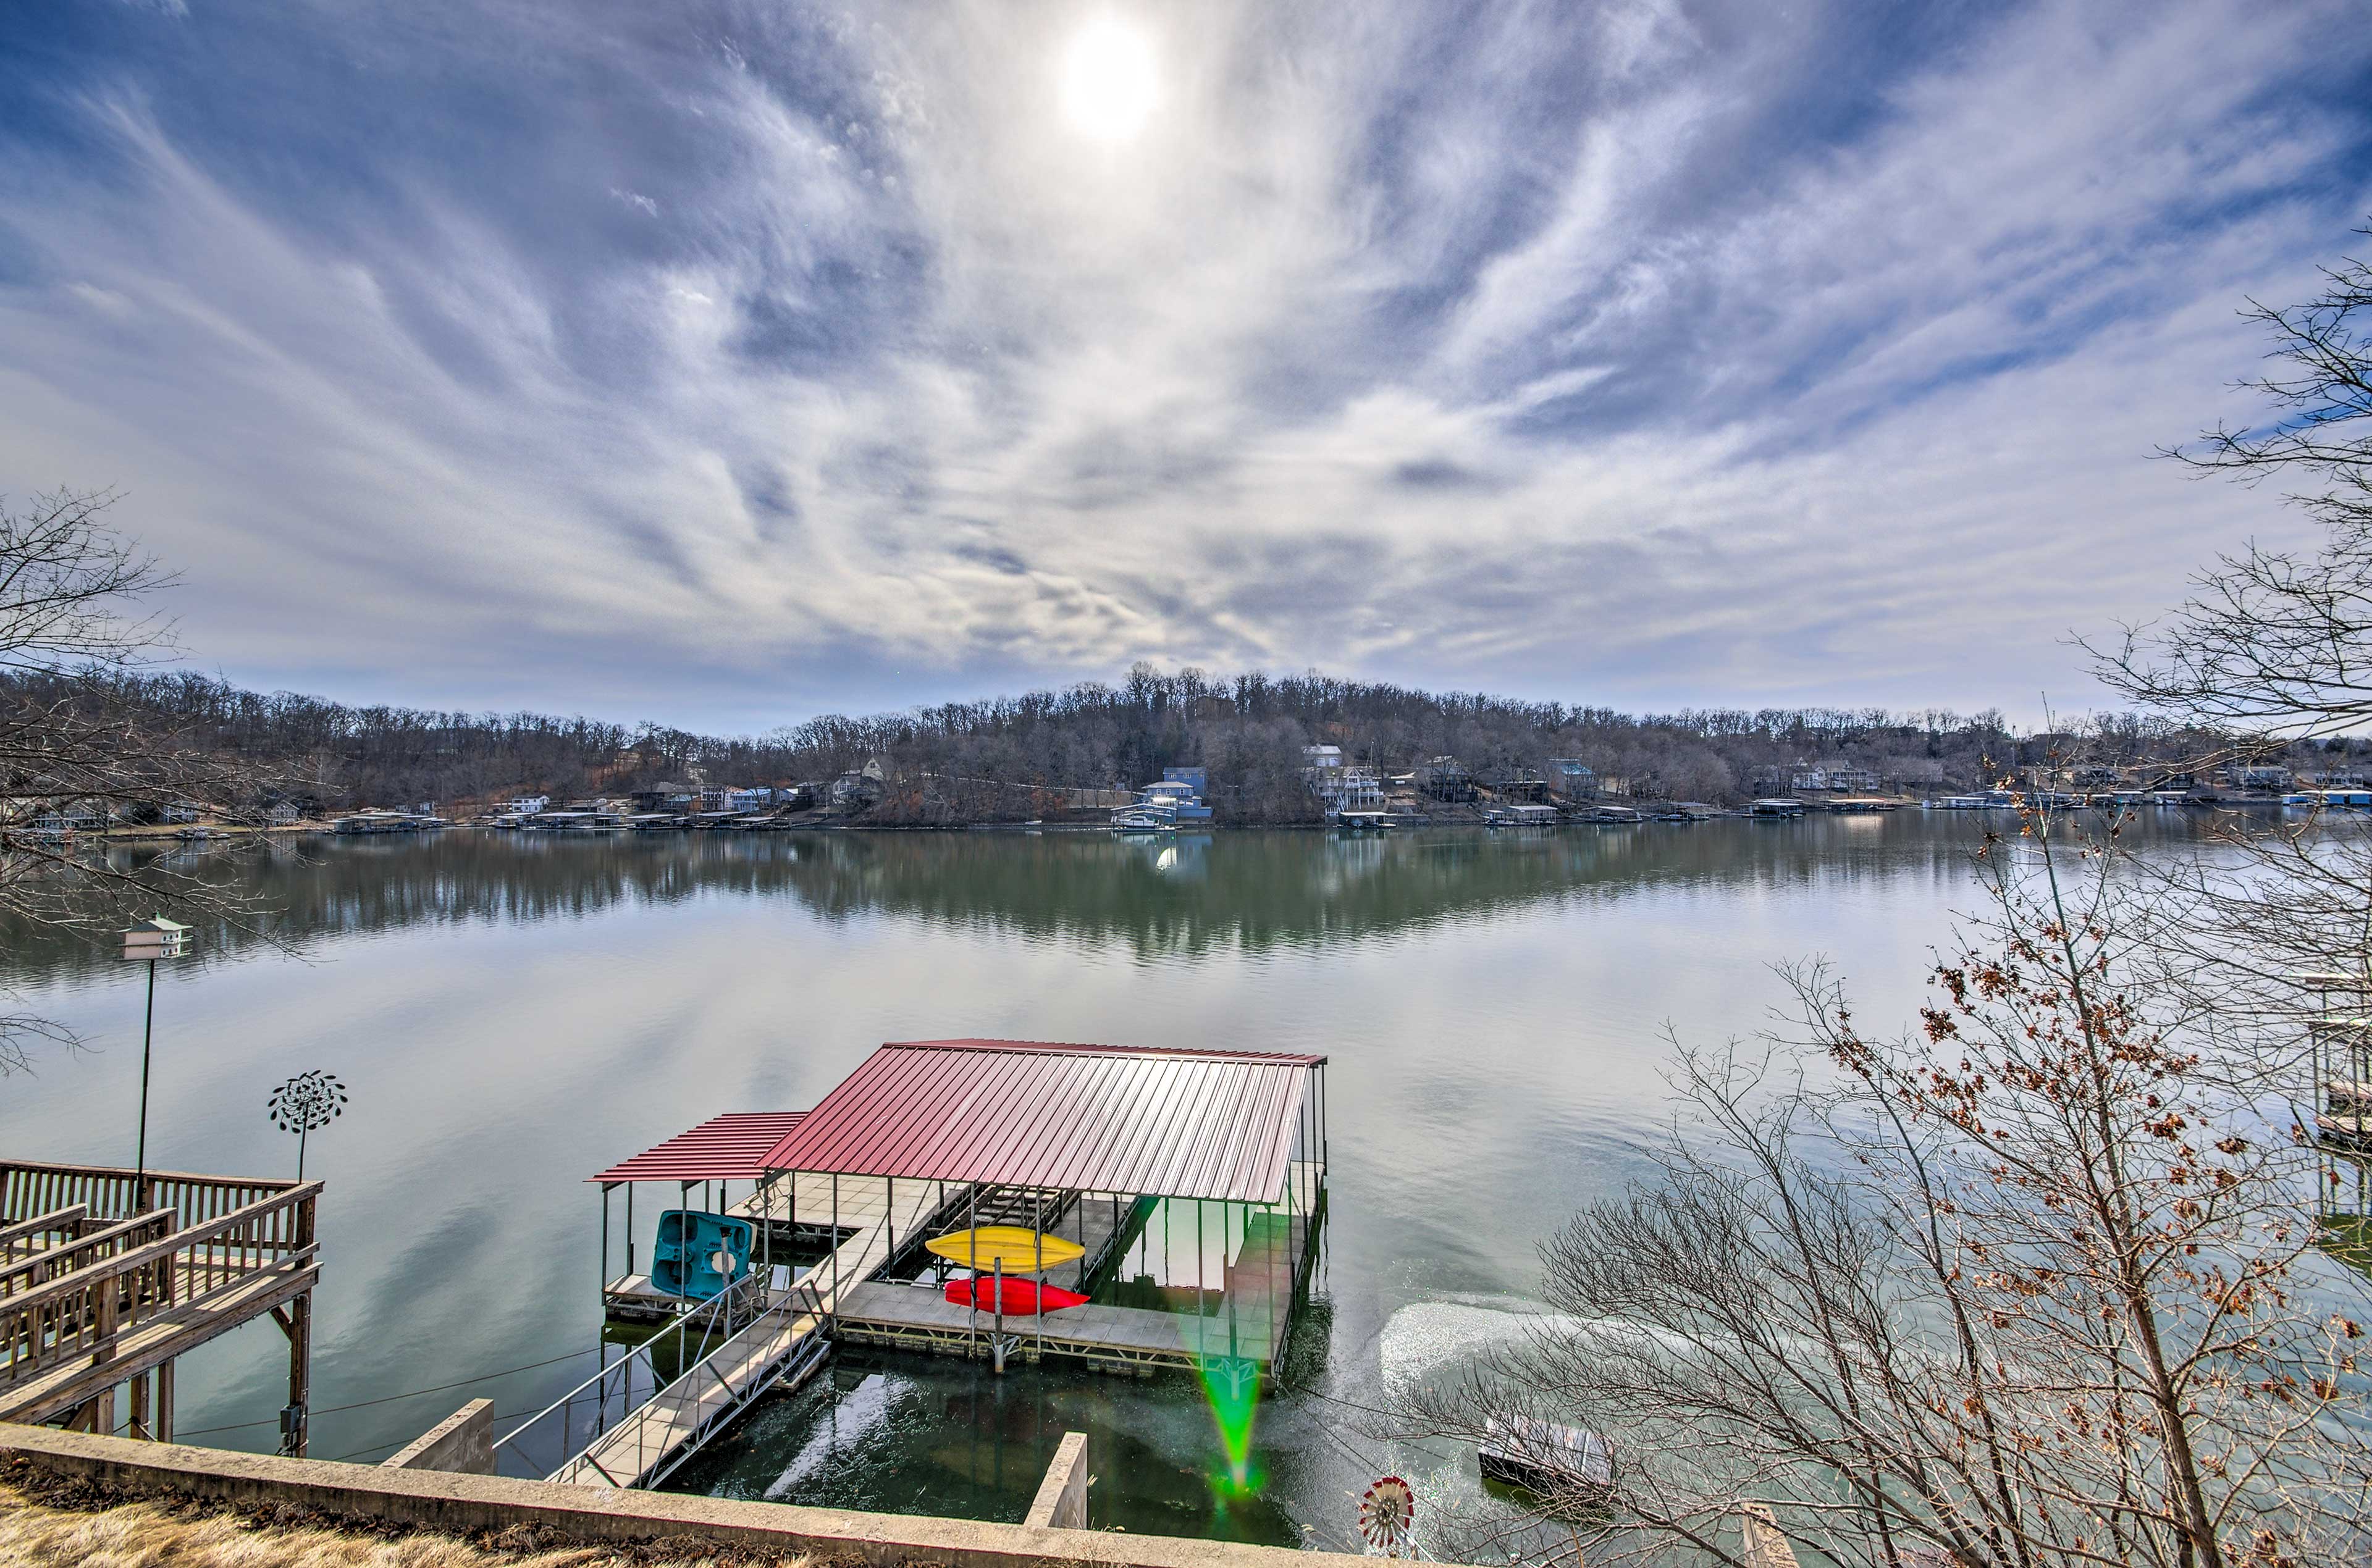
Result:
1107,81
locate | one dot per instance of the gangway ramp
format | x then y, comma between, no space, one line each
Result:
770,1337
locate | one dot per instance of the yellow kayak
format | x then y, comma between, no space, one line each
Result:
1019,1248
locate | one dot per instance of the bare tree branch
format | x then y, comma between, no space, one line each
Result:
76,755
2021,1287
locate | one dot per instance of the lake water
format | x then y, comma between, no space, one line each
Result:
512,1012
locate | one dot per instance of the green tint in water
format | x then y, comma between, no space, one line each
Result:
1234,1398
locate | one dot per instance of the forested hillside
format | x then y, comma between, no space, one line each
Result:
964,759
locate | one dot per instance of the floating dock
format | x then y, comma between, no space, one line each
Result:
1191,1182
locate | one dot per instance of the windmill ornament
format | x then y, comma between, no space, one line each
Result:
1387,1514
304,1105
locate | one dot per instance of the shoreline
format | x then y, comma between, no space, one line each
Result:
1651,813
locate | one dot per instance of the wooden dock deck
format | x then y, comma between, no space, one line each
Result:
109,1275
652,1437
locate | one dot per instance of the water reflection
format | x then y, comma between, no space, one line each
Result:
1162,897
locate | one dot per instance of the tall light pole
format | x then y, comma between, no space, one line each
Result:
147,942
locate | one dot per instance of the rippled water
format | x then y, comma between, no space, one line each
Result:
513,1013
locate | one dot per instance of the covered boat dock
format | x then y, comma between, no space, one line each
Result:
1189,1187
1192,1181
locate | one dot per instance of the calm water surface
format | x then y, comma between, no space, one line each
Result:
512,1012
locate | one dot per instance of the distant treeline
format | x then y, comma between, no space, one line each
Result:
1006,757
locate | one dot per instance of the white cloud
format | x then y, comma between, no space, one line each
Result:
1483,360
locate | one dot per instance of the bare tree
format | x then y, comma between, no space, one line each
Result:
2278,643
2029,1285
73,752
2275,647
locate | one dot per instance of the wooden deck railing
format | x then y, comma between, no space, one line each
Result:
93,1247
127,1280
30,1188
30,1236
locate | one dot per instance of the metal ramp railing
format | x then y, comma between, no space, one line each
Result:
638,1419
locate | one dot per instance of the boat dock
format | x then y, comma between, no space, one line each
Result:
1182,1192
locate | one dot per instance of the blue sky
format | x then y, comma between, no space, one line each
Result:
726,362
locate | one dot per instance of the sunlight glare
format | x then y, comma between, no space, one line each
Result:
1107,81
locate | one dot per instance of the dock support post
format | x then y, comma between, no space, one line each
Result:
299,1326
1201,1306
139,1427
998,1340
299,1329
630,1227
163,1421
1325,1154
1309,1144
600,1341
835,1242
1226,1295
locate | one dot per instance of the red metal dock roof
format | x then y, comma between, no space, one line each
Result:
1085,1118
731,1147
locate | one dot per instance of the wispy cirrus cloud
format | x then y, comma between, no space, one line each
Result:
731,361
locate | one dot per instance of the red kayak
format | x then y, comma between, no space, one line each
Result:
1023,1299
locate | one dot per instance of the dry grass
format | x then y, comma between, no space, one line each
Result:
71,1526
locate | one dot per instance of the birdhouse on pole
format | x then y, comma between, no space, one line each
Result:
154,939
148,941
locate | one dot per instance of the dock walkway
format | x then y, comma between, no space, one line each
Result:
655,1438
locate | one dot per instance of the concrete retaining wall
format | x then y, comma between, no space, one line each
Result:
1062,1496
463,1441
464,1504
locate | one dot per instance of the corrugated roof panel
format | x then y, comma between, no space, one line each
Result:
1088,1118
731,1147
1113,1126
1137,1130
